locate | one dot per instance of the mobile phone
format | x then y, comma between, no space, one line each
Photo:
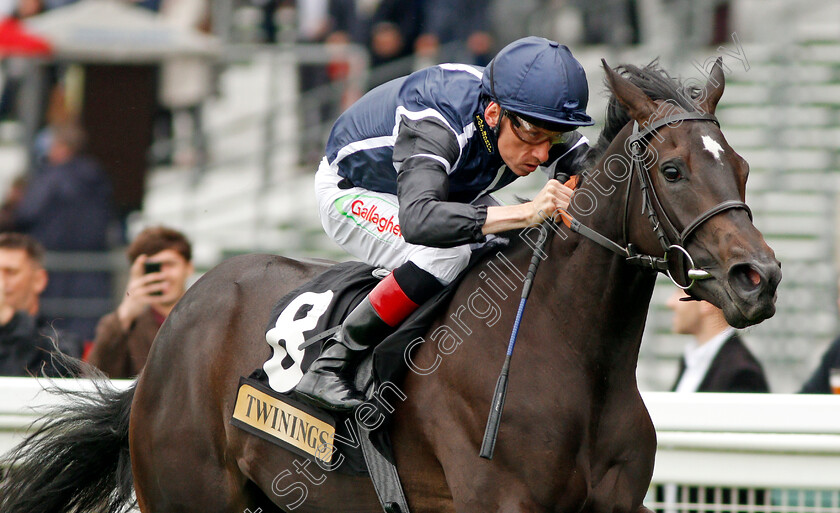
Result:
152,267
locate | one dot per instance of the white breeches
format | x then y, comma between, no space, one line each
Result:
366,225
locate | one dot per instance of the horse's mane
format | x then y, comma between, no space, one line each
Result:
654,82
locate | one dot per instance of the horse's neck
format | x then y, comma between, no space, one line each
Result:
600,200
620,292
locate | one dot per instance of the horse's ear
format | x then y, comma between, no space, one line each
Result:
714,87
638,104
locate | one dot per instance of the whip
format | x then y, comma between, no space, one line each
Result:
491,431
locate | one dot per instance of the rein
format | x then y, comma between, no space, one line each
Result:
673,263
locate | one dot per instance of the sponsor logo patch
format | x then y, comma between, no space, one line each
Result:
282,421
482,129
366,213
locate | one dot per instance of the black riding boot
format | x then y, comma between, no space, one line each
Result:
328,382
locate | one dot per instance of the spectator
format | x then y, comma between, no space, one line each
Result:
819,382
387,28
12,69
67,206
613,22
124,337
468,32
23,352
716,360
26,336
268,22
394,29
314,24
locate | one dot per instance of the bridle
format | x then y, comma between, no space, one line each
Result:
676,263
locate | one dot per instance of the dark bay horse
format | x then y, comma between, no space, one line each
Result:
575,434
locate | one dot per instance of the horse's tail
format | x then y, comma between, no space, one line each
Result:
77,459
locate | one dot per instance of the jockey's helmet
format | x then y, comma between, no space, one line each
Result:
540,81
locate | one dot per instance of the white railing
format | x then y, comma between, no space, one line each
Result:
767,453
23,401
779,443
749,440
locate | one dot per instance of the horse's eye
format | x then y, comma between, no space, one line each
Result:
671,173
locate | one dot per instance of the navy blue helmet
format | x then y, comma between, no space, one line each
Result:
541,81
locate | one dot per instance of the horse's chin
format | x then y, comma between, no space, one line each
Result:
739,313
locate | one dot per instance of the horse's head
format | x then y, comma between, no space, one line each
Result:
696,185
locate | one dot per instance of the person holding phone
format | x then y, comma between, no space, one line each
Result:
161,264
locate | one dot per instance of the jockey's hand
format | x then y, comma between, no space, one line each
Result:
140,292
553,196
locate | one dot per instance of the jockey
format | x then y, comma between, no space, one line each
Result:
408,173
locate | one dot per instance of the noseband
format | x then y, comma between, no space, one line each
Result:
676,256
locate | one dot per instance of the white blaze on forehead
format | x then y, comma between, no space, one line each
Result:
712,147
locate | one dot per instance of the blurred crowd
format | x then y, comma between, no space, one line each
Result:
65,204
61,213
426,32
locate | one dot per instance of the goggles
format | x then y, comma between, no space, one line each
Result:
532,134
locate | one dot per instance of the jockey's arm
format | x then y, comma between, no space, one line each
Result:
425,149
422,152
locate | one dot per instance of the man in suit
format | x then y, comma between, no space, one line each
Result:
820,380
717,359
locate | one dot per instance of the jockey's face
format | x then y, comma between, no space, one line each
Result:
523,148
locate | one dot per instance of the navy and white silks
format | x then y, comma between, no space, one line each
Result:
410,167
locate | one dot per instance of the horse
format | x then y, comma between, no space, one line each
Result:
575,435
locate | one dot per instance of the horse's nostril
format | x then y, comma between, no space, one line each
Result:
753,276
745,277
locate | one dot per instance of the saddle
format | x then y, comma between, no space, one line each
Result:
299,325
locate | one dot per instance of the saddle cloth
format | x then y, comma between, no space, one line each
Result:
320,305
